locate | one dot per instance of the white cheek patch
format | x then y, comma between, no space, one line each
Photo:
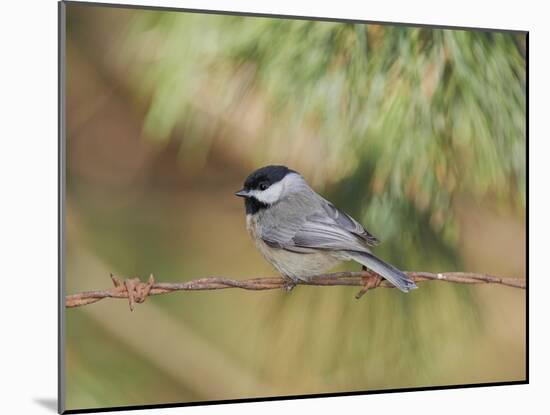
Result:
270,195
277,190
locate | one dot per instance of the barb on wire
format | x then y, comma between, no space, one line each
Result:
137,291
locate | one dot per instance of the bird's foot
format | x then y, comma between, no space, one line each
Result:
288,285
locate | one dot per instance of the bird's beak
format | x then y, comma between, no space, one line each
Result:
242,193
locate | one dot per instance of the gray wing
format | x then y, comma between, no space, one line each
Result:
322,232
349,224
311,222
316,231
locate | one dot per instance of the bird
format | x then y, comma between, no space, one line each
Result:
302,234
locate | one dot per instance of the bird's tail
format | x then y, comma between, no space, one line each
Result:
389,272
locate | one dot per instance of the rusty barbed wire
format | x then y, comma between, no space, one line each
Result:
136,291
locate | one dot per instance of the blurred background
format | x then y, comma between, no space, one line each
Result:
418,132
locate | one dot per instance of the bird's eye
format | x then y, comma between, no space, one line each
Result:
263,186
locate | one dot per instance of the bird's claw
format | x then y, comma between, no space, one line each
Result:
288,285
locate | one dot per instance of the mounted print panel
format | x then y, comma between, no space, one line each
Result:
259,207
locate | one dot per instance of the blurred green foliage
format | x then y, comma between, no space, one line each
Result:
426,113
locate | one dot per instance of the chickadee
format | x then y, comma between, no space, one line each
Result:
302,234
